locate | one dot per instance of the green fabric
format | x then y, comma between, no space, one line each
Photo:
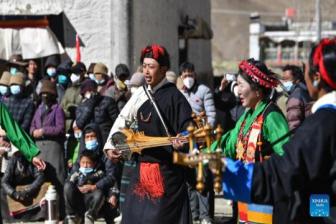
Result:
17,135
74,156
274,126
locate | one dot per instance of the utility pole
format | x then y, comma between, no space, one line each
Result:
318,19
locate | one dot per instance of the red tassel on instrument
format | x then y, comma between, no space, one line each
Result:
150,181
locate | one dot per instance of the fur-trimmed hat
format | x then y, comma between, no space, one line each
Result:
5,78
100,68
49,87
17,79
16,59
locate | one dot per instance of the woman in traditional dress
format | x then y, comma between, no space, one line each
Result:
306,172
261,125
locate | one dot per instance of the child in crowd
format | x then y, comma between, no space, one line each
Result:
81,189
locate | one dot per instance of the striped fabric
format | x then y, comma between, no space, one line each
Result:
255,213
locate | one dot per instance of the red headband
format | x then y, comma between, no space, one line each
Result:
318,60
157,51
257,75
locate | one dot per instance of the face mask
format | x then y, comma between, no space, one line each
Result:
86,170
78,135
3,90
288,85
92,77
15,89
62,79
100,82
13,70
51,72
87,95
188,82
315,83
91,145
74,78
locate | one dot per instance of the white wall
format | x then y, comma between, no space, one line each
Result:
101,25
92,19
164,16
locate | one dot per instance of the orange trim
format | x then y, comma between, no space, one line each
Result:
24,23
242,210
259,217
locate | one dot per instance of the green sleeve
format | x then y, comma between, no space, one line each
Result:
229,140
17,135
275,126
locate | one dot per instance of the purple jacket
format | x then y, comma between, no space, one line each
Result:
53,122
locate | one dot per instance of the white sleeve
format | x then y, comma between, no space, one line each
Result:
127,114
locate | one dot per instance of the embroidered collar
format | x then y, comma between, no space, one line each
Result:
327,99
251,115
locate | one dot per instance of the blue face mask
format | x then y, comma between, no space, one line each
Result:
3,90
92,77
100,82
15,89
62,79
91,145
78,135
86,170
288,85
13,70
51,72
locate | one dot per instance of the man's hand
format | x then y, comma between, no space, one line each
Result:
38,133
177,143
20,196
113,200
114,155
224,84
87,188
39,163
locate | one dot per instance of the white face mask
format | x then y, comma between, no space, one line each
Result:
87,95
288,85
189,82
74,78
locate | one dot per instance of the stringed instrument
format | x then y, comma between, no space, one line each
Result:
128,142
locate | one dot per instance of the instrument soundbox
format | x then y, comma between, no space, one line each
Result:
127,142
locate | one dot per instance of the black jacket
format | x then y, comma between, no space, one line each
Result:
110,169
98,109
21,172
307,167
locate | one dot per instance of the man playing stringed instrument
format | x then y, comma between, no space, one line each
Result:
157,192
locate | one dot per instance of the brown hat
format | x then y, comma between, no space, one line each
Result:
5,78
48,87
16,59
100,68
17,79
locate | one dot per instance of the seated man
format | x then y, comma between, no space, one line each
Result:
20,172
85,187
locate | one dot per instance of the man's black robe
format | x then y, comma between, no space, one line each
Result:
173,207
307,167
